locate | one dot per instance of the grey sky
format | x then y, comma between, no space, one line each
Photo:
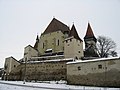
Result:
21,20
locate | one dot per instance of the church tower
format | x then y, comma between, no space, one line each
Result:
90,43
73,45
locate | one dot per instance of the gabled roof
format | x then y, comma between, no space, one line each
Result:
30,47
13,59
89,32
56,25
73,32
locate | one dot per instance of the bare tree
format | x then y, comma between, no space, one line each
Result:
106,47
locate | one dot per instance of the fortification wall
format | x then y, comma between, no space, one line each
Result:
40,71
96,72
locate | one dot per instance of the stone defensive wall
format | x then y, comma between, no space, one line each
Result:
97,72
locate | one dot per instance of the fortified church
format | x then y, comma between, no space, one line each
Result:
58,55
47,59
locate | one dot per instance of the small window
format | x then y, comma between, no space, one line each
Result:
43,45
6,66
92,68
58,42
14,65
68,45
70,40
79,68
78,51
76,58
100,66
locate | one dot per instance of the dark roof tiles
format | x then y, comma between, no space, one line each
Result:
56,25
89,32
73,32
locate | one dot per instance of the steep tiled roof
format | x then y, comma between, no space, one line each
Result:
56,25
73,32
89,32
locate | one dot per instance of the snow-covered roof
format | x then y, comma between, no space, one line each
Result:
93,60
47,56
55,60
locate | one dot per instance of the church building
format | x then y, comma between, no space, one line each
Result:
47,59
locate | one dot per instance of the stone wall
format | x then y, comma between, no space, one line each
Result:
40,71
96,73
46,71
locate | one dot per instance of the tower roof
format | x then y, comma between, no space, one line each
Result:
73,32
89,32
56,25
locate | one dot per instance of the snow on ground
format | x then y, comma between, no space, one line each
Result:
9,87
45,86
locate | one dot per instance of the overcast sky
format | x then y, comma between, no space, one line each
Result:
21,20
